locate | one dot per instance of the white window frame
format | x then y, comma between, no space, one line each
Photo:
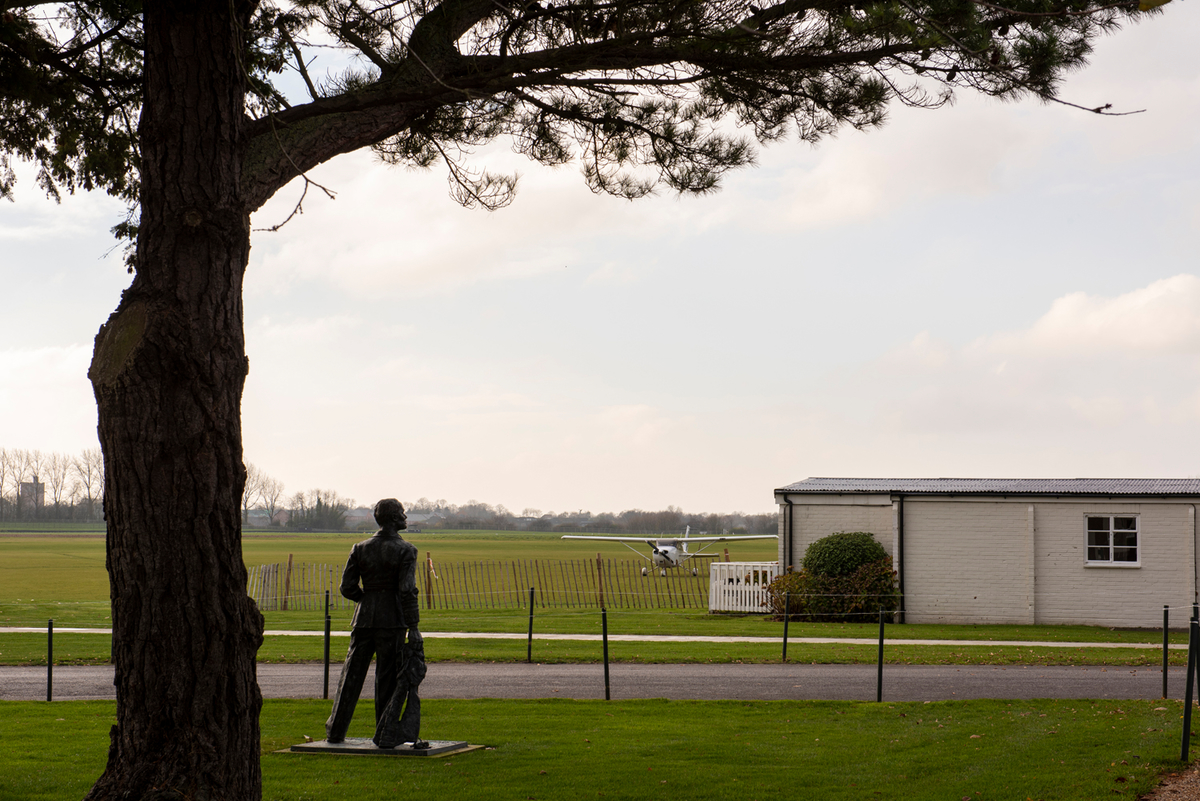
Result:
1087,545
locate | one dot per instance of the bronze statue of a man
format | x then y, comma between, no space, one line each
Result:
380,576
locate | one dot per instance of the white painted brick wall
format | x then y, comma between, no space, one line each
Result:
1069,592
966,562
813,522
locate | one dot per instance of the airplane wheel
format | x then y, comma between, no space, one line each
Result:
644,573
695,572
662,572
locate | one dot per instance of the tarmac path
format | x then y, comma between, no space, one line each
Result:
677,682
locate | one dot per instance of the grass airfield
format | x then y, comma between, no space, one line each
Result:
560,749
61,575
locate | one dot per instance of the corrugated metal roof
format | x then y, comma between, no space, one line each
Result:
998,486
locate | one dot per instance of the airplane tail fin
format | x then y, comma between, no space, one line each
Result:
686,531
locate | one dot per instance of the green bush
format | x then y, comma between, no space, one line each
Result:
856,597
841,554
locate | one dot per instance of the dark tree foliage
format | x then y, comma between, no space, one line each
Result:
327,512
175,106
856,596
842,553
640,92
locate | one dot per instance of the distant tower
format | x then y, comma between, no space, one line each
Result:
33,493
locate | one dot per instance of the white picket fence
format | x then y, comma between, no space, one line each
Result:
740,586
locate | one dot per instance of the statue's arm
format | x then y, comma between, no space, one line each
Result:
350,587
410,605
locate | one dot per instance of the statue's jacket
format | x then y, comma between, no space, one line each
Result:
386,567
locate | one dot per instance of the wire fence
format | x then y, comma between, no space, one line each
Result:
561,584
295,587
500,584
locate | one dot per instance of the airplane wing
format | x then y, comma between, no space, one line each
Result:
612,539
731,538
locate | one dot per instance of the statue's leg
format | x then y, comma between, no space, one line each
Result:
354,672
387,730
410,721
387,644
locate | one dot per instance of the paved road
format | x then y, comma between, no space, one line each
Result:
723,681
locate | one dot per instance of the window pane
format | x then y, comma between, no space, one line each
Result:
1098,523
1125,538
1097,554
1125,523
1124,554
1098,538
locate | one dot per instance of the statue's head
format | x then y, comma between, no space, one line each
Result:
390,511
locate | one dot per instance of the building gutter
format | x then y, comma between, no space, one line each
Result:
788,528
900,550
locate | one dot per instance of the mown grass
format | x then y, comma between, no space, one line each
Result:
62,577
94,614
561,749
94,649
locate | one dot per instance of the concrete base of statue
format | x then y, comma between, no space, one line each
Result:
362,746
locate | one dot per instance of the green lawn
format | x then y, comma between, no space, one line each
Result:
62,577
85,649
560,749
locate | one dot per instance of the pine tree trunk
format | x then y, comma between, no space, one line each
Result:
167,372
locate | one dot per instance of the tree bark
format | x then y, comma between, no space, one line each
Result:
168,371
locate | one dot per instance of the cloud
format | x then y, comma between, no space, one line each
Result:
1096,386
1161,318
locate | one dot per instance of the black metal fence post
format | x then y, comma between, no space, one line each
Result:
1193,629
529,640
325,688
1166,626
879,671
786,608
50,659
604,632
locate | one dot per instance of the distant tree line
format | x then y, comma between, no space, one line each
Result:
45,486
425,513
264,504
55,487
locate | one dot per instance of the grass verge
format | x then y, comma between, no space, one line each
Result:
701,750
95,649
95,614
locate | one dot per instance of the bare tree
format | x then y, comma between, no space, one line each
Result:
57,472
35,463
271,494
251,491
25,465
6,477
88,468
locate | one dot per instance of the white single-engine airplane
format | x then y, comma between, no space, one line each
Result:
672,552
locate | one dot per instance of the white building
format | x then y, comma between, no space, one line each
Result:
1106,552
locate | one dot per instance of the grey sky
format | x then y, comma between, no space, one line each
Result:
986,290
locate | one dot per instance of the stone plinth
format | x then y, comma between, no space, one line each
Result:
362,746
